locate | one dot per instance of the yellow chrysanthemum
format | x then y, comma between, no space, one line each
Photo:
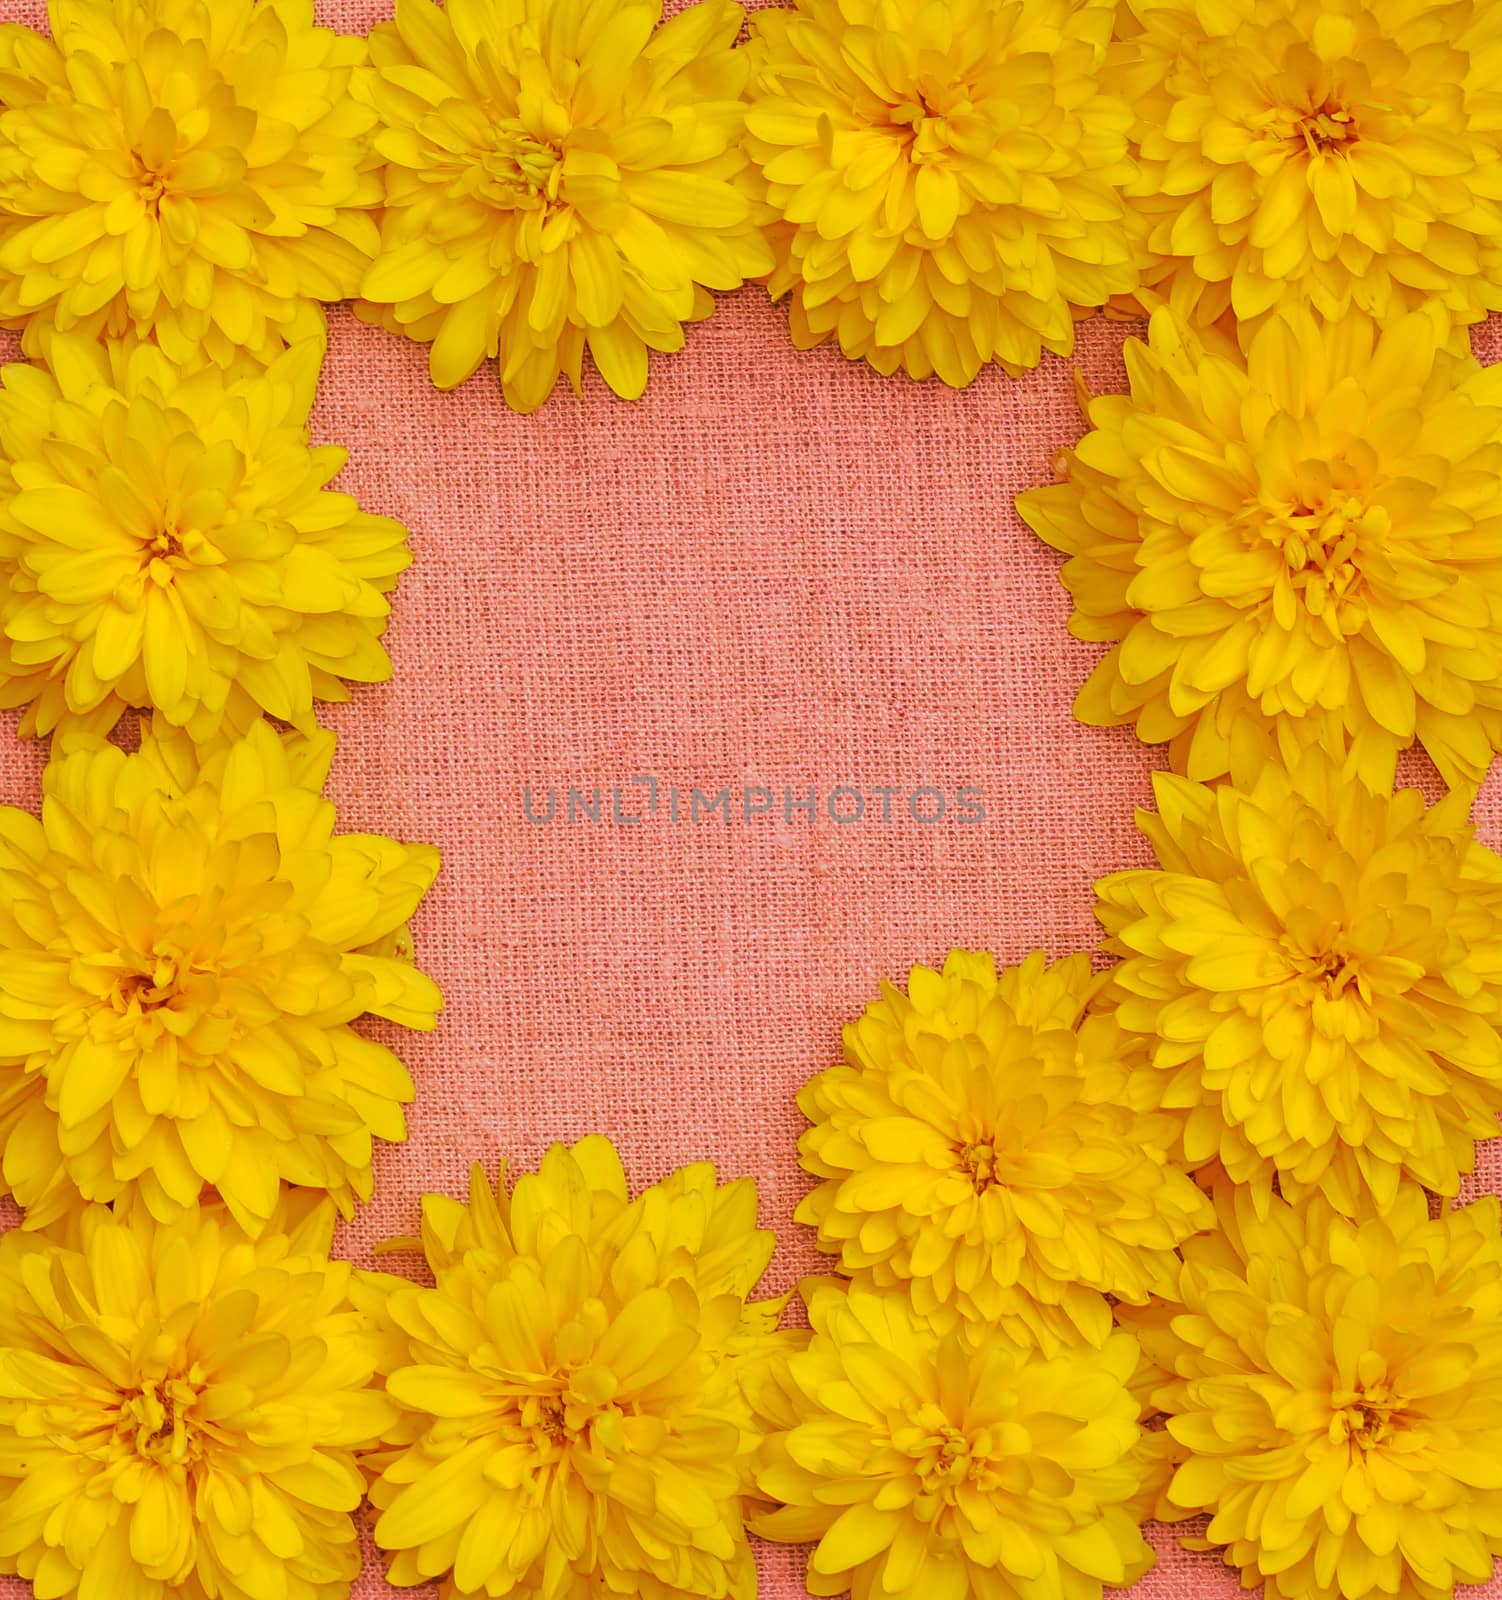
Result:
183,947
1336,1387
1336,153
573,1422
1317,966
192,171
167,540
940,182
954,1466
180,1408
976,1150
559,174
1309,534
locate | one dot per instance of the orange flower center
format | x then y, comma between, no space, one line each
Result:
925,121
153,158
581,1411
982,1162
1333,970
164,554
136,991
151,186
944,1456
1318,541
152,982
1330,127
171,549
518,171
1364,1418
1329,537
156,1421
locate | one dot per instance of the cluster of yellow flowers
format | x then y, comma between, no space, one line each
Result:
936,186
186,943
1287,534
1149,1239
1157,1239
573,1410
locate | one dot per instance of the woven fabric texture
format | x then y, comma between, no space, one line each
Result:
777,571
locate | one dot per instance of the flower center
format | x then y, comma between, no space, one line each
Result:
517,171
151,186
156,1423
1333,970
552,1421
170,549
171,985
1318,541
1329,127
944,1457
152,982
923,121
981,1161
543,1425
153,157
135,991
1364,1418
1327,536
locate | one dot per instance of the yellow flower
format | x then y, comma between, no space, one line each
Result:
559,174
954,1465
1335,153
180,1408
1318,968
183,947
977,1151
188,170
1306,535
1336,1387
940,181
166,540
573,1418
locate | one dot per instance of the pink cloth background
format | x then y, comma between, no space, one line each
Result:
777,568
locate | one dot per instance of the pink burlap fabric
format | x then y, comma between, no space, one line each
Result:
777,569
